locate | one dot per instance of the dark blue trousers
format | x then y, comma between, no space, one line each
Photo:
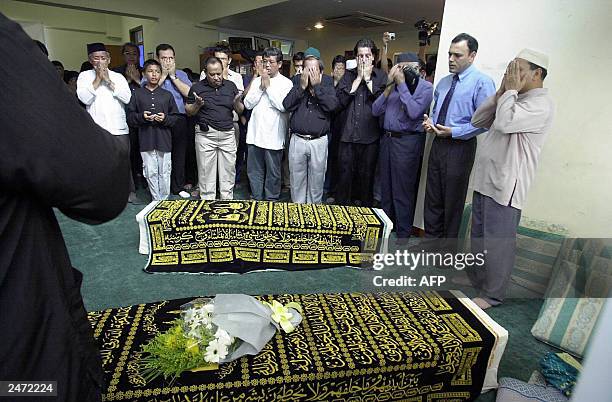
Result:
400,170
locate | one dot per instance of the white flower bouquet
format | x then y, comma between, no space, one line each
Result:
214,331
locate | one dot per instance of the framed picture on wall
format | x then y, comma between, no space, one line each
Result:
237,44
261,43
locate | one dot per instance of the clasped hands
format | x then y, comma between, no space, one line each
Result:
102,75
438,129
364,69
157,117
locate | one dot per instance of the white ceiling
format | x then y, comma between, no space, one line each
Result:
290,18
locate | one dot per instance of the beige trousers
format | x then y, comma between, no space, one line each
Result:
216,152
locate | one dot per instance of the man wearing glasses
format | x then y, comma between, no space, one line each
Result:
267,127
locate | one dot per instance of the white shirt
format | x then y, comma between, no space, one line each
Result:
508,155
268,123
106,107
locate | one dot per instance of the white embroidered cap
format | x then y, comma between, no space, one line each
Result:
537,58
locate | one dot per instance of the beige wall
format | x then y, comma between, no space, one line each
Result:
175,25
572,187
63,45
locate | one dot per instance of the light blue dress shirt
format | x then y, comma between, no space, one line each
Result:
471,90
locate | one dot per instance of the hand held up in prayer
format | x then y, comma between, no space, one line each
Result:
502,88
513,77
360,67
367,71
391,75
265,79
399,76
198,100
337,74
315,76
428,124
171,68
304,77
238,106
132,73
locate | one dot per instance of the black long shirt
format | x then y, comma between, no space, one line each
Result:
218,106
311,112
360,127
153,135
70,163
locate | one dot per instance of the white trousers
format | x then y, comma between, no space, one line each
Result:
157,166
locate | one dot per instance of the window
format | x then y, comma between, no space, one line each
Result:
137,37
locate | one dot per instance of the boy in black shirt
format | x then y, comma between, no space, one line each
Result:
153,111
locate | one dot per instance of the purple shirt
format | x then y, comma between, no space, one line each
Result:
169,86
402,110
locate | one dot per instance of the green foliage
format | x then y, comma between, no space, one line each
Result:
170,353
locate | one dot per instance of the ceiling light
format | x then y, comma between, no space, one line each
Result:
319,25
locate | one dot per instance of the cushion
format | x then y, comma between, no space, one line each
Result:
578,289
512,390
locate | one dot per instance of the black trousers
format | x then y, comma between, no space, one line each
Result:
448,175
191,166
356,162
179,151
241,153
135,158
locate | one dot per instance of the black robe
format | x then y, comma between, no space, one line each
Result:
52,154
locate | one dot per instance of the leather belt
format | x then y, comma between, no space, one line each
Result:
398,134
309,137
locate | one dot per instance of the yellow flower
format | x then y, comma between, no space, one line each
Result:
281,314
193,347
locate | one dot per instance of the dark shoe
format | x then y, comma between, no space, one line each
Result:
133,199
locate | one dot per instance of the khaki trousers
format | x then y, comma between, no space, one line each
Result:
216,152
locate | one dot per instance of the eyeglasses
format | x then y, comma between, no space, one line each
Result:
265,62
